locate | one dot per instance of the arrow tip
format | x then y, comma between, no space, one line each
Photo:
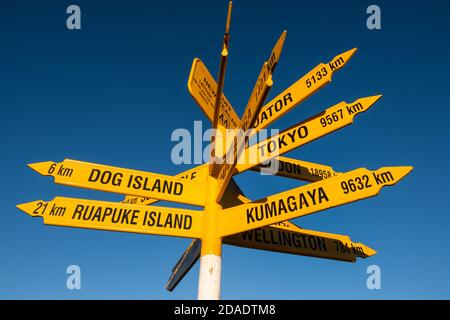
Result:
392,175
368,251
349,53
282,37
403,171
29,208
367,102
278,48
377,97
42,167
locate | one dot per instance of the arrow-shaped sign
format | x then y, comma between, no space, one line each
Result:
102,215
186,262
124,181
301,242
332,119
341,189
197,174
302,89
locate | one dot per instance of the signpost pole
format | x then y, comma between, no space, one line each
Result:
211,252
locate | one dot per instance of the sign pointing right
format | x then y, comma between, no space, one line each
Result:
341,189
301,242
330,120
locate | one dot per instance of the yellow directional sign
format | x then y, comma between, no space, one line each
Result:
287,237
259,93
197,174
124,181
102,215
301,242
330,120
298,169
303,88
203,87
341,189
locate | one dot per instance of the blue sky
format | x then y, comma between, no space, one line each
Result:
114,91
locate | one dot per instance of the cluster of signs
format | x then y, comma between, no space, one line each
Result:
262,224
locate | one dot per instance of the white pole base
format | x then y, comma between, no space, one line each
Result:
209,278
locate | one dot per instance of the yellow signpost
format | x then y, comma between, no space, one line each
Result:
227,216
102,215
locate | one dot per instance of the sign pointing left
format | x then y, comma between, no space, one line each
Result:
124,181
112,216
